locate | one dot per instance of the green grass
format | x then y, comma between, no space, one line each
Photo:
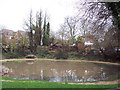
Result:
45,84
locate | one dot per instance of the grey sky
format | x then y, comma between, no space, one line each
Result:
13,12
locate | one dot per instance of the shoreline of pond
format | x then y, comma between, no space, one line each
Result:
72,83
68,60
104,82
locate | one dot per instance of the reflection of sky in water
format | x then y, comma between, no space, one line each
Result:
62,71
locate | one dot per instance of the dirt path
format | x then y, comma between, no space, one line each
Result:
62,60
99,83
14,81
7,80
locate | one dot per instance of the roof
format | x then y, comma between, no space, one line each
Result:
7,30
23,33
9,33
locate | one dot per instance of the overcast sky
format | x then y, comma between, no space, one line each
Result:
13,12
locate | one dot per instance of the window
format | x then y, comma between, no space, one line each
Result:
17,37
9,37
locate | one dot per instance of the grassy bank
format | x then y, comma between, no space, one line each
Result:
10,83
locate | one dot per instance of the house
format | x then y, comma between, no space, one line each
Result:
7,33
88,40
10,36
22,34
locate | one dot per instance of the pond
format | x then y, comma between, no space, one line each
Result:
60,71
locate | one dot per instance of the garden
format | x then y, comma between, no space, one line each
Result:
83,53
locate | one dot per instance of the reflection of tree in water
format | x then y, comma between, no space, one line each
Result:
70,75
41,74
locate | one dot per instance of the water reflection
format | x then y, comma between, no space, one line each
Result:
61,71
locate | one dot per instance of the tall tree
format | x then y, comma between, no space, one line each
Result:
62,32
29,25
70,26
48,33
38,28
41,32
114,10
44,32
102,17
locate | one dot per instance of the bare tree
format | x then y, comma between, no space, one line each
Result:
71,27
29,28
100,18
62,32
38,28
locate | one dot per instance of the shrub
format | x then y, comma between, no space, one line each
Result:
50,56
40,54
61,54
81,53
72,54
80,39
11,55
44,54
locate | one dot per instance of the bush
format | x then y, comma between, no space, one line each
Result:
23,50
11,55
44,54
61,54
72,54
40,54
50,56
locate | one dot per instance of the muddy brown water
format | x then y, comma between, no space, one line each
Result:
58,71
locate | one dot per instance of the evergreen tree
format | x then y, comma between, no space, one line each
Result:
38,29
44,33
48,33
